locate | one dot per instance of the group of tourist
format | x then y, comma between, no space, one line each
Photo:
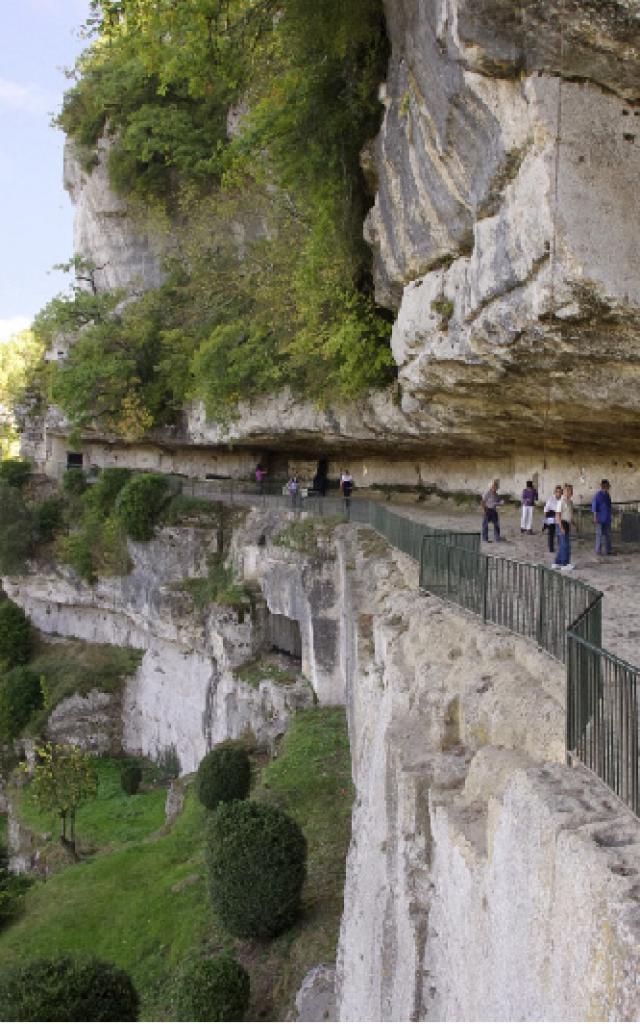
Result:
319,485
557,518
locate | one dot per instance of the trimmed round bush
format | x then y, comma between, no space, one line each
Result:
74,481
20,696
140,503
15,472
216,989
64,988
15,635
224,774
256,860
131,776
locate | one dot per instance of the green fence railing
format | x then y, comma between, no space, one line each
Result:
563,616
559,613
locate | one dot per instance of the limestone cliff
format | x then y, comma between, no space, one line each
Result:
485,880
504,236
504,226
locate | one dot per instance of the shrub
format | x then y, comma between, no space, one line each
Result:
131,776
102,496
256,859
15,635
212,990
20,696
223,775
74,481
64,988
48,518
168,764
140,503
15,472
16,531
12,889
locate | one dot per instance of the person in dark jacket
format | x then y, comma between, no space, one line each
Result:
601,508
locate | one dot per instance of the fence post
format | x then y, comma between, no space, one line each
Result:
448,550
485,586
541,607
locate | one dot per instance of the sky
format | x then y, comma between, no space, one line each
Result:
38,39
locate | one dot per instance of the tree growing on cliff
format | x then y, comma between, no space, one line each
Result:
63,778
15,635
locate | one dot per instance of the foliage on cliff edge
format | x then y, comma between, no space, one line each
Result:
235,126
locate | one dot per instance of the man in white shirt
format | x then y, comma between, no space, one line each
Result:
564,519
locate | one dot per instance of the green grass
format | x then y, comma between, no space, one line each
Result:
311,780
262,667
73,666
133,906
219,586
303,535
112,818
185,510
144,905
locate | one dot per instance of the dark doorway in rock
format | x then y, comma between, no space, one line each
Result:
284,635
320,480
74,460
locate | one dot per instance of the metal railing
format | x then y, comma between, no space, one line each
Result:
561,614
564,617
625,520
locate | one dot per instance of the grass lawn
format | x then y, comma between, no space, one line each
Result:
144,905
111,819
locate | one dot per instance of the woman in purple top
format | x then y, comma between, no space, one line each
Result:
529,498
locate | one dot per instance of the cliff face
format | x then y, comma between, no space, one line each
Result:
504,227
485,880
107,232
503,233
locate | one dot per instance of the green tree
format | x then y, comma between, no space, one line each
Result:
16,532
16,637
63,778
20,695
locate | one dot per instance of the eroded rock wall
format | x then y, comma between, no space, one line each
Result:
485,880
504,227
186,694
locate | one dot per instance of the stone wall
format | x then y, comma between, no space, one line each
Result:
485,880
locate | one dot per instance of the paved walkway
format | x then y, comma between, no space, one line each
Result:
617,577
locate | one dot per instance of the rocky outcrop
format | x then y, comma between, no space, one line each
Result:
108,234
503,233
92,721
504,227
187,693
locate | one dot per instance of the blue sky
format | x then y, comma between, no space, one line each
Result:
38,38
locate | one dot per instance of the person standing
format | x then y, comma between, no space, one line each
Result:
261,475
601,508
564,519
550,509
293,488
346,486
489,503
529,498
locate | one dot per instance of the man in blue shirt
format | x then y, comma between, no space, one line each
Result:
601,508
